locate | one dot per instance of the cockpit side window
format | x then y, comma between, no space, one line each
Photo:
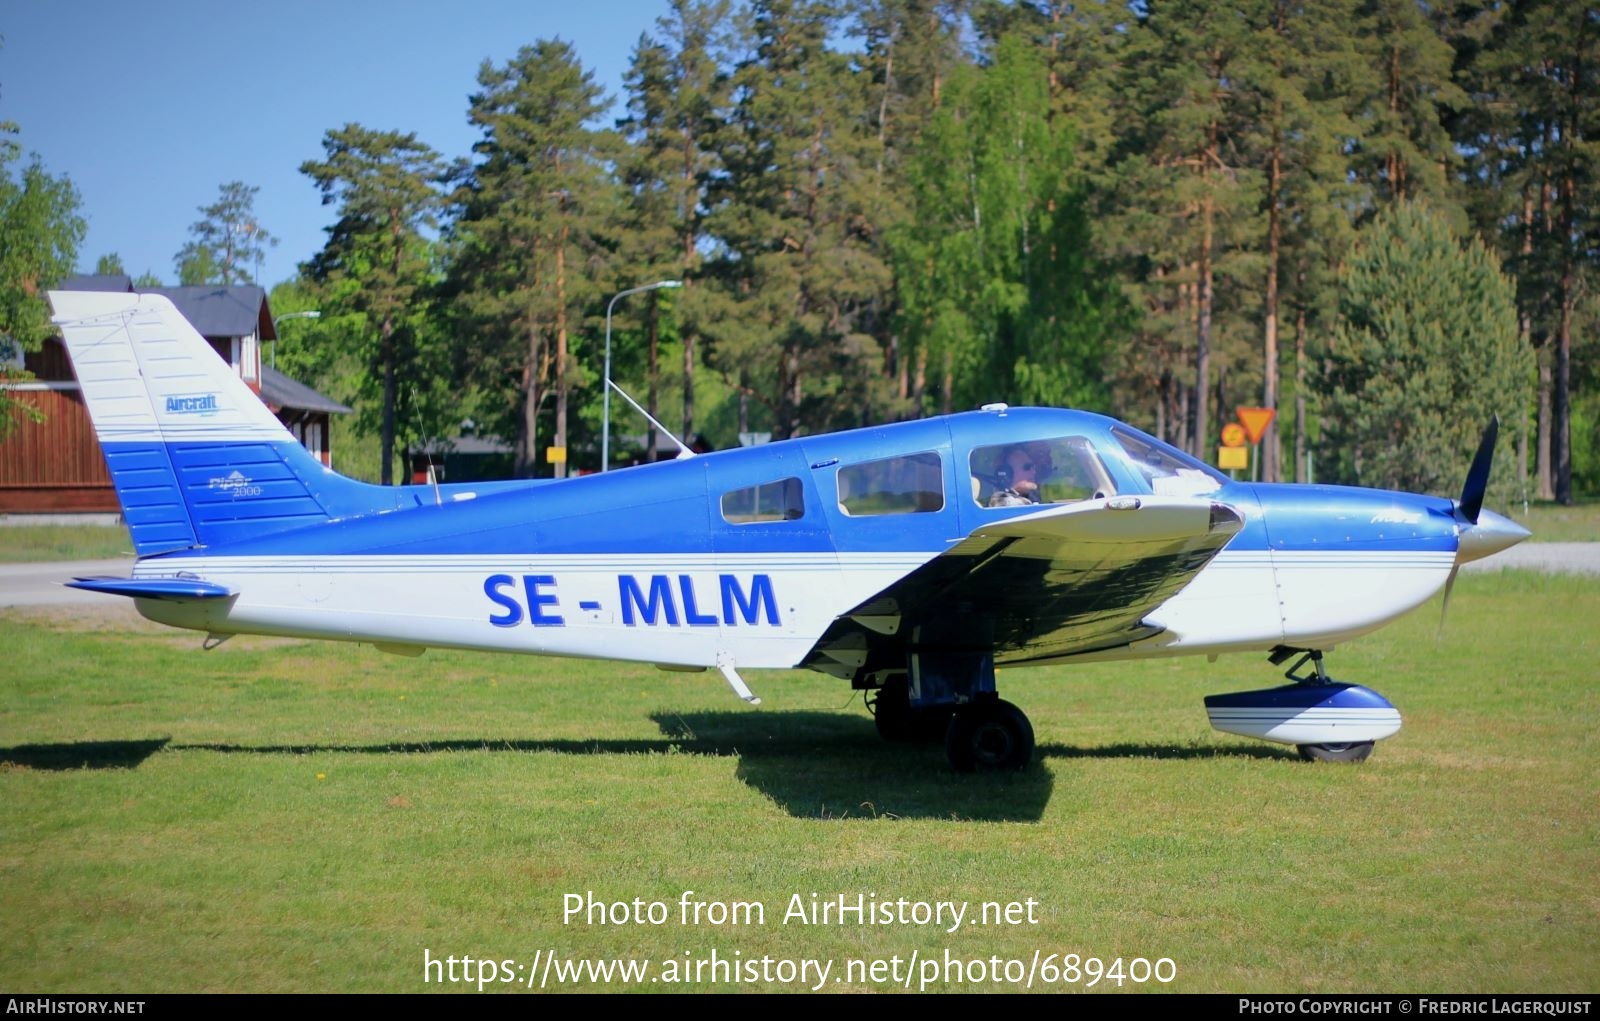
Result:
913,484
782,500
1059,470
1168,470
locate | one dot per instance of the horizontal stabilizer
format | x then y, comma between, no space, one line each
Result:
153,588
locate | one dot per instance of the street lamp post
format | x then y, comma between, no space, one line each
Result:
312,314
605,433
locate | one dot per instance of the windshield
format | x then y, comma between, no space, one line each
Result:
1168,470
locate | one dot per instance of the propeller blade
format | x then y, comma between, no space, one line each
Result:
1478,475
1449,585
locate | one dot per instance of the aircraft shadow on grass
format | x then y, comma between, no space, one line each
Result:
829,765
814,765
82,754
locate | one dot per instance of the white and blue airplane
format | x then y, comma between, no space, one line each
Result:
909,559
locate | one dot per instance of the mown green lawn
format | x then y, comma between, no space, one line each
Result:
1552,522
295,816
26,544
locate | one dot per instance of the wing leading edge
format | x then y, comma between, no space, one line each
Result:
1065,580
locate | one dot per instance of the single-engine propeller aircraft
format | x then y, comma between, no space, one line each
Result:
909,559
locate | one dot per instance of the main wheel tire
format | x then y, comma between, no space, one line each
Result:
1348,751
891,710
991,736
898,721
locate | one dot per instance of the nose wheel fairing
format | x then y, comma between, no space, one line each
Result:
1306,714
1328,721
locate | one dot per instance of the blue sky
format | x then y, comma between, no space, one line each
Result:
150,108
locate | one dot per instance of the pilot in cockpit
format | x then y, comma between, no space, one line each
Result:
1060,470
1016,474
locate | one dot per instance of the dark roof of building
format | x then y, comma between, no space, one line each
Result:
279,391
215,310
113,282
223,311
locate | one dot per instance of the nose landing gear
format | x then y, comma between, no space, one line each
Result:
1325,720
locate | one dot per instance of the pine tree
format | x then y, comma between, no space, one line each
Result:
227,239
1427,350
536,214
376,261
796,215
1184,153
910,51
1534,138
1292,83
676,95
1404,151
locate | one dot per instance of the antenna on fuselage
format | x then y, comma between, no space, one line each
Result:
433,476
683,450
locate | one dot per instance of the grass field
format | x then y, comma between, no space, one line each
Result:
1551,522
26,544
292,816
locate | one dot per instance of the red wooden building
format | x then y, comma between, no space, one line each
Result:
54,466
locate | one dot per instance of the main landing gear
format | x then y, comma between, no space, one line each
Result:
1327,751
988,734
981,731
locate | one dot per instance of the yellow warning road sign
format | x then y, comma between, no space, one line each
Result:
1256,421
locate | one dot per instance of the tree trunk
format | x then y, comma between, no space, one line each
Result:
919,388
561,351
1545,489
949,382
1163,398
744,402
688,388
1525,332
1300,395
1202,355
1269,388
1561,409
1397,166
386,428
528,426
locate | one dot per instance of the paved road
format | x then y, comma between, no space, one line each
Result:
1549,557
41,584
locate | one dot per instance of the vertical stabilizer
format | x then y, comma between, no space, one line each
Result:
196,458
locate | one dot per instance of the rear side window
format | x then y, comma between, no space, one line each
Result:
771,501
913,484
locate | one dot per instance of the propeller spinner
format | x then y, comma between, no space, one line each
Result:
1480,533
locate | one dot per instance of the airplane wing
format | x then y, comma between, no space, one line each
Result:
1064,580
